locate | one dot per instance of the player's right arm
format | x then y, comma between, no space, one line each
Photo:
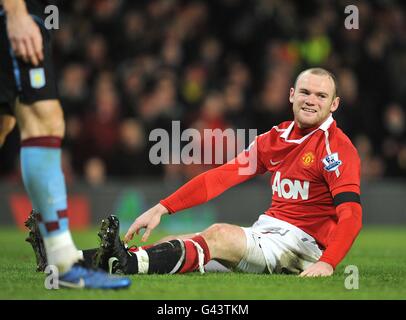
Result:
24,34
201,189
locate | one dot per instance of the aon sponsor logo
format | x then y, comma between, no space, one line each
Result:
289,189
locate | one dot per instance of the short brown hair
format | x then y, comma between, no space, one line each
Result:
321,72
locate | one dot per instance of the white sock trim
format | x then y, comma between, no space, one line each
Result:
143,261
61,240
61,251
200,255
179,263
80,255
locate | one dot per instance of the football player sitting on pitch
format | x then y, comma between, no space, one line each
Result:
315,214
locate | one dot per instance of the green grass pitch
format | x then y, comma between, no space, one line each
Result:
379,253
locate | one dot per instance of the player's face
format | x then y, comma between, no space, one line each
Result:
313,99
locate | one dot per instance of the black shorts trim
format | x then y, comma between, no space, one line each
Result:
346,197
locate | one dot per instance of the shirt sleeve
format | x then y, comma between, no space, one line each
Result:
214,182
341,168
348,227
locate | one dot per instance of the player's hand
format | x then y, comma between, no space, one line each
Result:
318,269
25,37
148,220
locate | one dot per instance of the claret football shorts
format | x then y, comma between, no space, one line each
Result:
19,79
275,246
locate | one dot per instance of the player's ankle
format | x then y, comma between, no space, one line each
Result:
61,251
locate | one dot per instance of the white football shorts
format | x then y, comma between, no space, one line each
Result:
276,246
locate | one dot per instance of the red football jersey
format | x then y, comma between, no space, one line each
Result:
307,173
315,183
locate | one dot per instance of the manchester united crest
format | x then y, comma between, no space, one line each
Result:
308,159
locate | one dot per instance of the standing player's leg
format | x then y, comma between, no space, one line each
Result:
40,119
41,129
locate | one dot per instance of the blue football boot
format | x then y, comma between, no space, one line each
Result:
82,277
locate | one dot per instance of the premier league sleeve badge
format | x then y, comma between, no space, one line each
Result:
331,162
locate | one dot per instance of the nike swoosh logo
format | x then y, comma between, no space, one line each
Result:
79,285
274,163
110,262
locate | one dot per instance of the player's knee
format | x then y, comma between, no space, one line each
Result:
57,126
217,232
51,117
225,242
42,118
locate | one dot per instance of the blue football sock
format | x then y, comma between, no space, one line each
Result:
45,183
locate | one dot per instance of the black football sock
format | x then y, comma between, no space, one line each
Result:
88,255
164,258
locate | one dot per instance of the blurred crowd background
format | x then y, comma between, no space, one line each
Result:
127,67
